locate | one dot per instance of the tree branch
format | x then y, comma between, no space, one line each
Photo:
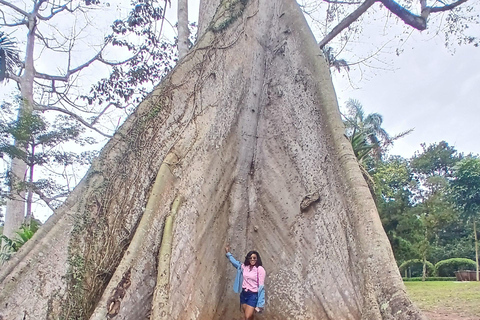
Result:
21,23
447,7
13,77
103,112
73,115
348,20
69,72
8,4
417,22
98,57
57,10
47,200
413,20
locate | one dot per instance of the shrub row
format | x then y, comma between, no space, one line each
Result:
430,279
444,268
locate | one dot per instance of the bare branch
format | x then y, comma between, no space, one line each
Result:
21,23
8,4
97,57
111,63
103,112
447,7
417,22
348,20
72,71
47,200
73,115
13,77
57,10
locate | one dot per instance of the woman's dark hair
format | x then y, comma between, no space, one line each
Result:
247,259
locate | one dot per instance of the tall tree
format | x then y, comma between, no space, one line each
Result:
393,182
435,160
365,132
56,91
42,141
242,143
183,31
29,79
246,130
466,190
433,167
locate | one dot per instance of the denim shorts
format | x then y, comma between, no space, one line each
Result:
249,298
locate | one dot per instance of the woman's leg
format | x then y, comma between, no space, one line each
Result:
249,311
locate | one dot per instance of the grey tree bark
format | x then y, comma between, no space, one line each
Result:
241,144
183,32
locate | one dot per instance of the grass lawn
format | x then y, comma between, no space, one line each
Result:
461,297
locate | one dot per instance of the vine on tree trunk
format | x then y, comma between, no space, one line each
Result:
227,13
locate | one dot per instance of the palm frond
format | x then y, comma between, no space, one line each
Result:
9,57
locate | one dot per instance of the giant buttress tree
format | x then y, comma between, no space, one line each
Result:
241,144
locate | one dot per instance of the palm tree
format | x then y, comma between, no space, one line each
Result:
8,55
365,132
369,140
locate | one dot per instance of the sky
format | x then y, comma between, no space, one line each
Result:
429,89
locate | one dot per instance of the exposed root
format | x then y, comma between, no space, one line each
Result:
164,179
160,296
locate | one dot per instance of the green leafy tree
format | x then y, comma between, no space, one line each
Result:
434,213
466,191
50,86
152,57
37,144
435,159
432,167
393,180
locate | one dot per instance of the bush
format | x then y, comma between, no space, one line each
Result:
416,268
10,246
447,268
431,279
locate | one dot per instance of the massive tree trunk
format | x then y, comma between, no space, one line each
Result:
241,144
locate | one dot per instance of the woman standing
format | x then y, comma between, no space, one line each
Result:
249,282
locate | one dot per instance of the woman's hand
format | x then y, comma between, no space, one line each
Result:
257,309
227,249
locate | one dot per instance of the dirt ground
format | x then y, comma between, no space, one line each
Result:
446,314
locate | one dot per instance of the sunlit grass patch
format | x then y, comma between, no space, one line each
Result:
461,297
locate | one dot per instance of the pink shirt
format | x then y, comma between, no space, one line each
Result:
252,278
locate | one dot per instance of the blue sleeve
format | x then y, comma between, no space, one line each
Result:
261,297
237,285
261,288
235,263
